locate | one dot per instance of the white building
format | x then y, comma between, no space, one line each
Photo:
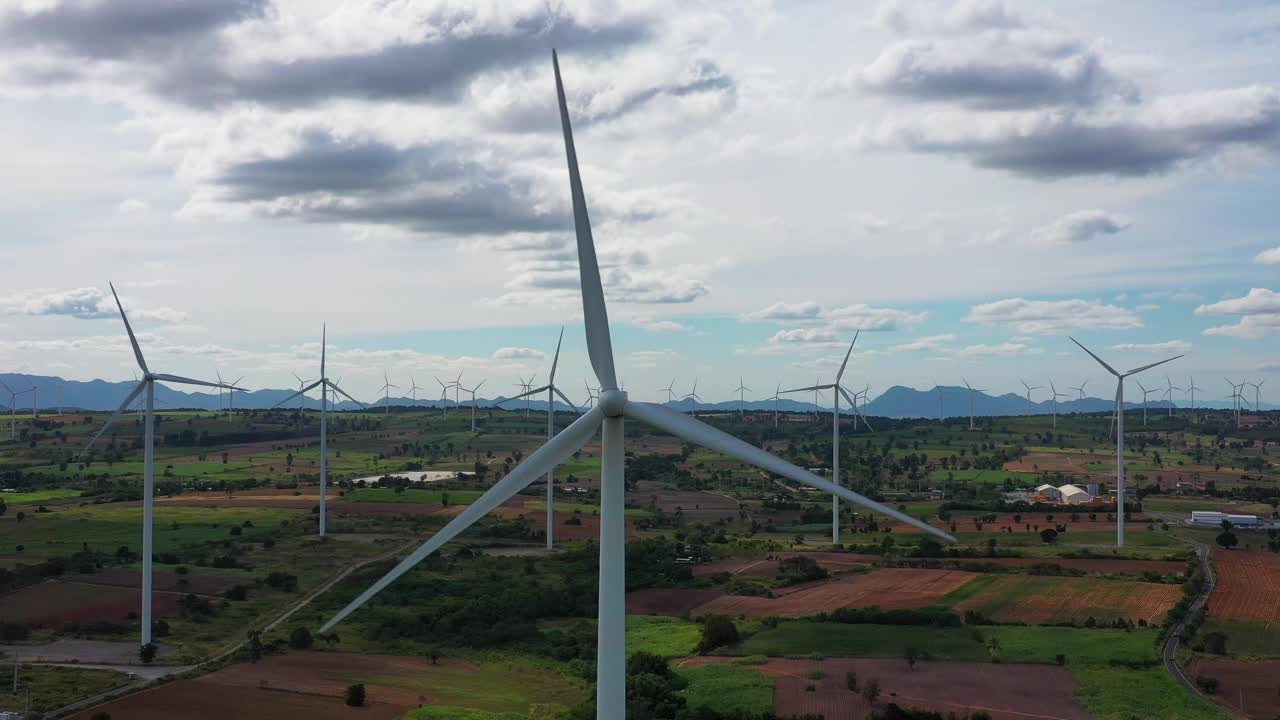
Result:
1207,517
1074,495
1049,492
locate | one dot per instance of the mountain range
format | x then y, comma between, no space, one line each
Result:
896,402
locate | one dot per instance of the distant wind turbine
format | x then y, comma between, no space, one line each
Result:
413,389
525,386
693,395
608,416
1257,394
1145,393
973,394
13,408
777,397
1030,405
444,395
592,395
671,396
302,399
1055,397
1191,388
473,403
1168,392
386,393
1080,390
1120,432
742,390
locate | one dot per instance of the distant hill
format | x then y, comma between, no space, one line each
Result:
896,402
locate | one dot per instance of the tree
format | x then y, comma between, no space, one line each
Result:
871,691
717,630
851,681
147,653
1227,539
21,516
355,695
300,639
3,507
993,647
1048,535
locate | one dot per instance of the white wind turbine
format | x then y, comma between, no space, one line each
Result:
413,389
1236,398
1257,395
671,395
777,398
302,385
473,403
1191,388
325,385
444,395
742,390
693,395
552,391
13,408
525,386
147,385
857,414
386,393
1168,392
1120,432
1055,397
592,395
941,392
973,394
1080,390
1030,405
609,414
836,392
1145,393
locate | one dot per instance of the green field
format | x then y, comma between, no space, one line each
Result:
667,637
1245,639
49,688
40,496
727,688
1118,693
1004,596
493,683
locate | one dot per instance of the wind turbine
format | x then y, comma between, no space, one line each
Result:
1145,393
302,384
444,396
386,393
325,384
865,395
473,403
836,392
973,394
1192,389
1030,406
552,391
148,384
1168,393
1257,395
742,397
1120,432
1236,397
525,386
413,389
609,415
940,392
1055,397
693,395
671,396
777,397
1080,390
13,408
592,395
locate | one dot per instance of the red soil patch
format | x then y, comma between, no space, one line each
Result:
52,603
768,567
1091,565
1253,683
1037,521
163,581
1061,462
672,602
1248,586
1043,600
1007,692
890,588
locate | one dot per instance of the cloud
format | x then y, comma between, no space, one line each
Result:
1270,256
1044,317
1080,226
518,353
1177,296
1149,307
931,343
133,205
846,317
1259,312
1053,144
788,312
804,336
650,358
659,326
1164,348
87,303
999,350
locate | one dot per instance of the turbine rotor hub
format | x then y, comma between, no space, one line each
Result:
612,402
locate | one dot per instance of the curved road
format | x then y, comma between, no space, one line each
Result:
1170,652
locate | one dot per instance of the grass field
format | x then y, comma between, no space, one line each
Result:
667,637
1117,693
1041,599
1246,639
413,495
53,687
40,496
727,688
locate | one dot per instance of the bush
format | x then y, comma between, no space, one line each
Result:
851,681
1208,684
300,639
237,592
355,695
147,652
717,630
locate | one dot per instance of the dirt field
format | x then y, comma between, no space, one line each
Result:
1102,566
1042,599
52,603
163,581
890,588
1248,586
696,505
1007,692
1254,683
768,567
668,602
1031,522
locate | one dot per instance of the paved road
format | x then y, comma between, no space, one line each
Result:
1171,645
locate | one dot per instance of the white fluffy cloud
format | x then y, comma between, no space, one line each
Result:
518,353
1270,256
1170,346
841,318
86,303
930,343
1008,349
1079,226
1259,313
1045,317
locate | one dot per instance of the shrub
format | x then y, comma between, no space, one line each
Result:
1208,684
147,652
717,630
300,639
355,695
851,681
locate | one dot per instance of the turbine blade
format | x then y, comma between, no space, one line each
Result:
556,360
846,356
189,381
566,400
594,313
687,428
852,403
324,330
307,389
137,351
344,394
523,395
806,389
535,466
128,400
1148,367
1095,357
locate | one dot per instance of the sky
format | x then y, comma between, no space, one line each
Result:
965,184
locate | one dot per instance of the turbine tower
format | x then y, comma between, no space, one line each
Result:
1120,432
1257,395
1168,393
592,395
413,389
836,392
302,384
1145,393
386,393
325,385
1080,390
742,390
473,403
552,391
1030,405
13,408
777,397
147,385
671,396
525,386
1235,398
693,395
608,416
973,394
1055,397
1191,388
444,395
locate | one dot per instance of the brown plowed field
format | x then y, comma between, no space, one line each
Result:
163,581
1041,599
1007,692
1248,586
52,603
890,588
1037,521
1253,683
696,505
768,567
588,530
673,602
1092,565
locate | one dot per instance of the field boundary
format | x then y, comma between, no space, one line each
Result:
1170,651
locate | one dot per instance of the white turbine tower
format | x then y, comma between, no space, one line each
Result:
1191,388
1120,432
302,384
941,392
857,415
1168,392
147,385
1030,405
671,395
742,390
444,395
1054,399
525,386
1145,393
1257,395
1080,390
609,414
552,391
325,385
693,395
973,394
386,393
777,398
836,392
592,395
473,403
413,389
1235,398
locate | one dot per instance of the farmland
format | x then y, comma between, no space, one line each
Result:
1041,600
1248,586
890,588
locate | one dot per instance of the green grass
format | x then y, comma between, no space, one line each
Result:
457,713
968,590
667,637
987,477
40,496
1245,639
1154,503
727,688
1079,645
583,508
493,683
1117,693
54,687
413,495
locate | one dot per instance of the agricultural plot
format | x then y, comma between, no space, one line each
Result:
768,566
48,688
52,603
1035,599
1103,566
1248,586
1245,688
890,588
